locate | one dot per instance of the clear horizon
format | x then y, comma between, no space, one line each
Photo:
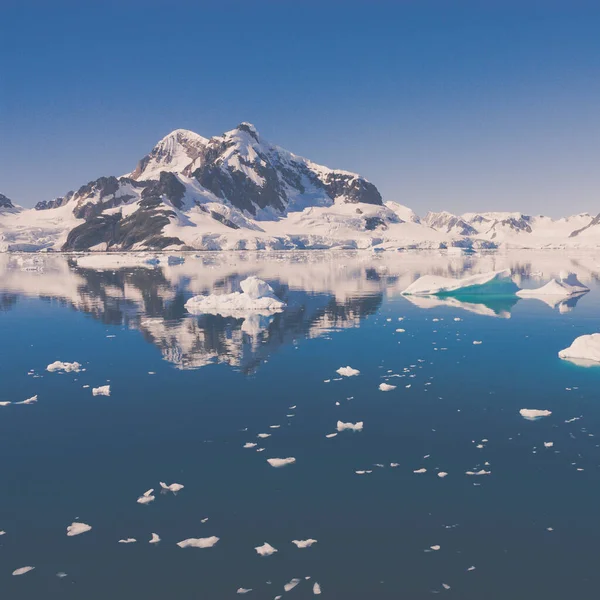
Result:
469,108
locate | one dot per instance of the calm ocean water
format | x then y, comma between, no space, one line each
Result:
188,392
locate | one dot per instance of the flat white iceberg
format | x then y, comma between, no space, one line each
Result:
243,590
22,570
174,487
291,584
480,472
265,550
493,282
208,542
146,497
567,285
256,295
358,426
67,367
103,390
154,539
281,462
128,541
31,400
386,387
304,543
77,529
532,414
348,372
585,349
316,589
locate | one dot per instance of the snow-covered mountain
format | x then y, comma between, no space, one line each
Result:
238,191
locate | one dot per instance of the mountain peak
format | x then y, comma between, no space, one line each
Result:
5,202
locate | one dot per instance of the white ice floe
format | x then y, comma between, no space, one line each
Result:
154,539
6,403
77,529
243,590
442,474
435,548
250,445
281,462
348,372
208,542
291,584
103,390
331,435
128,541
557,289
263,435
3,532
548,444
386,387
265,550
358,426
146,497
419,471
22,570
304,543
31,400
532,414
494,282
585,349
477,342
316,589
67,367
256,295
174,487
480,472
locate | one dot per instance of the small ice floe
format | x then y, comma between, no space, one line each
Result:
154,539
331,435
204,520
394,465
494,282
207,542
316,589
304,543
442,474
3,532
445,586
584,350
31,400
480,472
6,403
532,414
128,541
260,449
265,550
263,435
348,372
358,426
77,529
174,487
22,570
477,342
66,367
558,289
243,590
274,426
400,330
250,445
281,462
420,471
363,472
146,497
61,574
435,548
471,568
386,387
457,319
292,407
103,390
256,295
548,444
291,584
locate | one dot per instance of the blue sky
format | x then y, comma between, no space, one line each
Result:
444,105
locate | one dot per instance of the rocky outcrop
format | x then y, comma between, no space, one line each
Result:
5,202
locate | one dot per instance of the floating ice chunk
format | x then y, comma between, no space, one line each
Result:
67,367
274,426
5,403
316,589
480,472
585,349
358,426
31,400
548,444
331,435
445,586
174,487
208,542
420,471
477,342
256,295
22,570
128,541
146,497
348,372
103,390
265,550
532,414
154,539
263,435
304,543
435,548
494,282
291,584
61,574
442,474
471,568
564,287
77,529
400,330
249,445
3,532
281,462
243,590
386,387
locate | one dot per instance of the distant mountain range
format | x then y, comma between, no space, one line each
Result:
239,192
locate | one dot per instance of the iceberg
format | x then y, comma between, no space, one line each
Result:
281,462
265,550
304,543
585,350
532,414
494,282
386,387
256,296
208,542
77,529
291,584
67,367
174,487
350,426
154,539
128,541
558,292
103,390
22,570
146,497
347,372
